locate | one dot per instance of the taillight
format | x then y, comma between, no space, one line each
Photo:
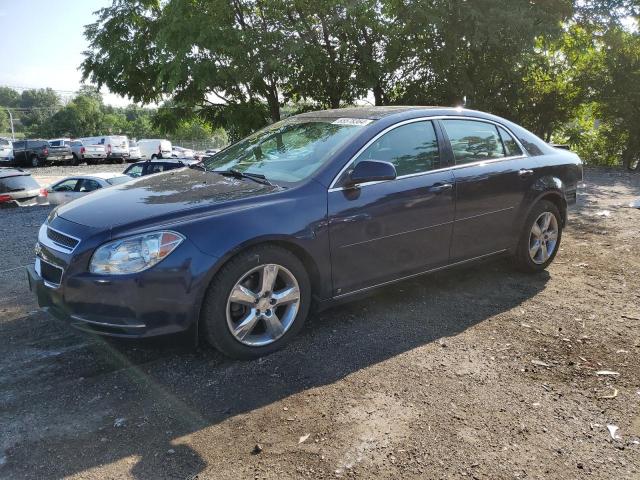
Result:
44,192
82,150
45,151
109,148
5,198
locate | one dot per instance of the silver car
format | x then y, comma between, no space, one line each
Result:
6,151
71,188
19,189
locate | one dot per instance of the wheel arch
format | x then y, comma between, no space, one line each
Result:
549,189
300,252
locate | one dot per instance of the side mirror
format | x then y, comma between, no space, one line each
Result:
371,171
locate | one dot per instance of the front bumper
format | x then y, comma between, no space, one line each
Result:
162,300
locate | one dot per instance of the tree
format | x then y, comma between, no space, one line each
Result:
9,97
40,104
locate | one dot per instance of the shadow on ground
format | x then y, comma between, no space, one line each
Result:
63,391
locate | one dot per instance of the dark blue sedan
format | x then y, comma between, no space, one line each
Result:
313,209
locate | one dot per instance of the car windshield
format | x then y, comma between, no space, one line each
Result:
118,180
288,151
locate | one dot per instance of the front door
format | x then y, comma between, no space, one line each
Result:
386,230
492,175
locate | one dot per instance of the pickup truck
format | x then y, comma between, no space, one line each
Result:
60,150
85,152
35,153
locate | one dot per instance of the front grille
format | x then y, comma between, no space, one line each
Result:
50,273
62,239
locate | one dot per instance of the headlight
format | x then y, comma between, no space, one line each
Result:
134,254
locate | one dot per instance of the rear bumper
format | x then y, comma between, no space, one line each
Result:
94,156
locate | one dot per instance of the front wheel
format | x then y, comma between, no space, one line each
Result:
256,303
540,239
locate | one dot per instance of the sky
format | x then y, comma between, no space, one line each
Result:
42,42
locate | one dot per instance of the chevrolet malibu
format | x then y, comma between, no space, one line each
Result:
317,208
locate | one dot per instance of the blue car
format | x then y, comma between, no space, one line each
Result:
314,209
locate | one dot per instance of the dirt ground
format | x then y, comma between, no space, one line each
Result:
479,373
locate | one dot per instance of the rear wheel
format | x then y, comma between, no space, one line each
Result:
540,239
256,303
75,161
35,161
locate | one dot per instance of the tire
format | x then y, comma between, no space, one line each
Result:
35,161
268,326
154,156
75,161
528,258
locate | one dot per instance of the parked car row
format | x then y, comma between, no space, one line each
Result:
90,150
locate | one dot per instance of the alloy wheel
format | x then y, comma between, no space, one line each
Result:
263,305
543,238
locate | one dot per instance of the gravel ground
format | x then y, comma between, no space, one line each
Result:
479,373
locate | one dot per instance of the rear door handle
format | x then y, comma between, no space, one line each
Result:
440,187
524,172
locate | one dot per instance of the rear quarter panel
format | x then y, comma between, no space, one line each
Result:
557,177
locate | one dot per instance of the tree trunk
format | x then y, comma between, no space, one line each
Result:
378,94
273,101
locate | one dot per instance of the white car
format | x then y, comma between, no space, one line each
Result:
6,151
134,151
117,146
152,148
70,188
180,152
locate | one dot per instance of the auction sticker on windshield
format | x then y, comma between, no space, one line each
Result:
352,121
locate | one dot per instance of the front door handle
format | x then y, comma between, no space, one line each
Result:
525,172
440,187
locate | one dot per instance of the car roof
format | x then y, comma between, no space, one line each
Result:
367,112
94,176
378,113
160,160
6,172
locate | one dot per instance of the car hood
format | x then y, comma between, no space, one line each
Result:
161,196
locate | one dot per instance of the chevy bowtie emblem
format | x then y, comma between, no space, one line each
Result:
38,248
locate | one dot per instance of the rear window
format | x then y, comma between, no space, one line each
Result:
118,180
18,184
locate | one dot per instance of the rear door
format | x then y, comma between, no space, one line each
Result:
385,230
492,175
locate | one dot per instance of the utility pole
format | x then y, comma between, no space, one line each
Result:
13,133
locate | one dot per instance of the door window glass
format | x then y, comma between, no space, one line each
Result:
510,145
135,171
66,186
473,141
411,148
87,185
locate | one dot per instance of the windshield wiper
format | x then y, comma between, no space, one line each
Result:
256,177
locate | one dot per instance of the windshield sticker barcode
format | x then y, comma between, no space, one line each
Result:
352,121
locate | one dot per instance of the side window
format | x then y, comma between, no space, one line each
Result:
87,185
411,148
473,140
510,145
55,143
155,168
66,186
134,171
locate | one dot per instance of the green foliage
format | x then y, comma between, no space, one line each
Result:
9,97
596,141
